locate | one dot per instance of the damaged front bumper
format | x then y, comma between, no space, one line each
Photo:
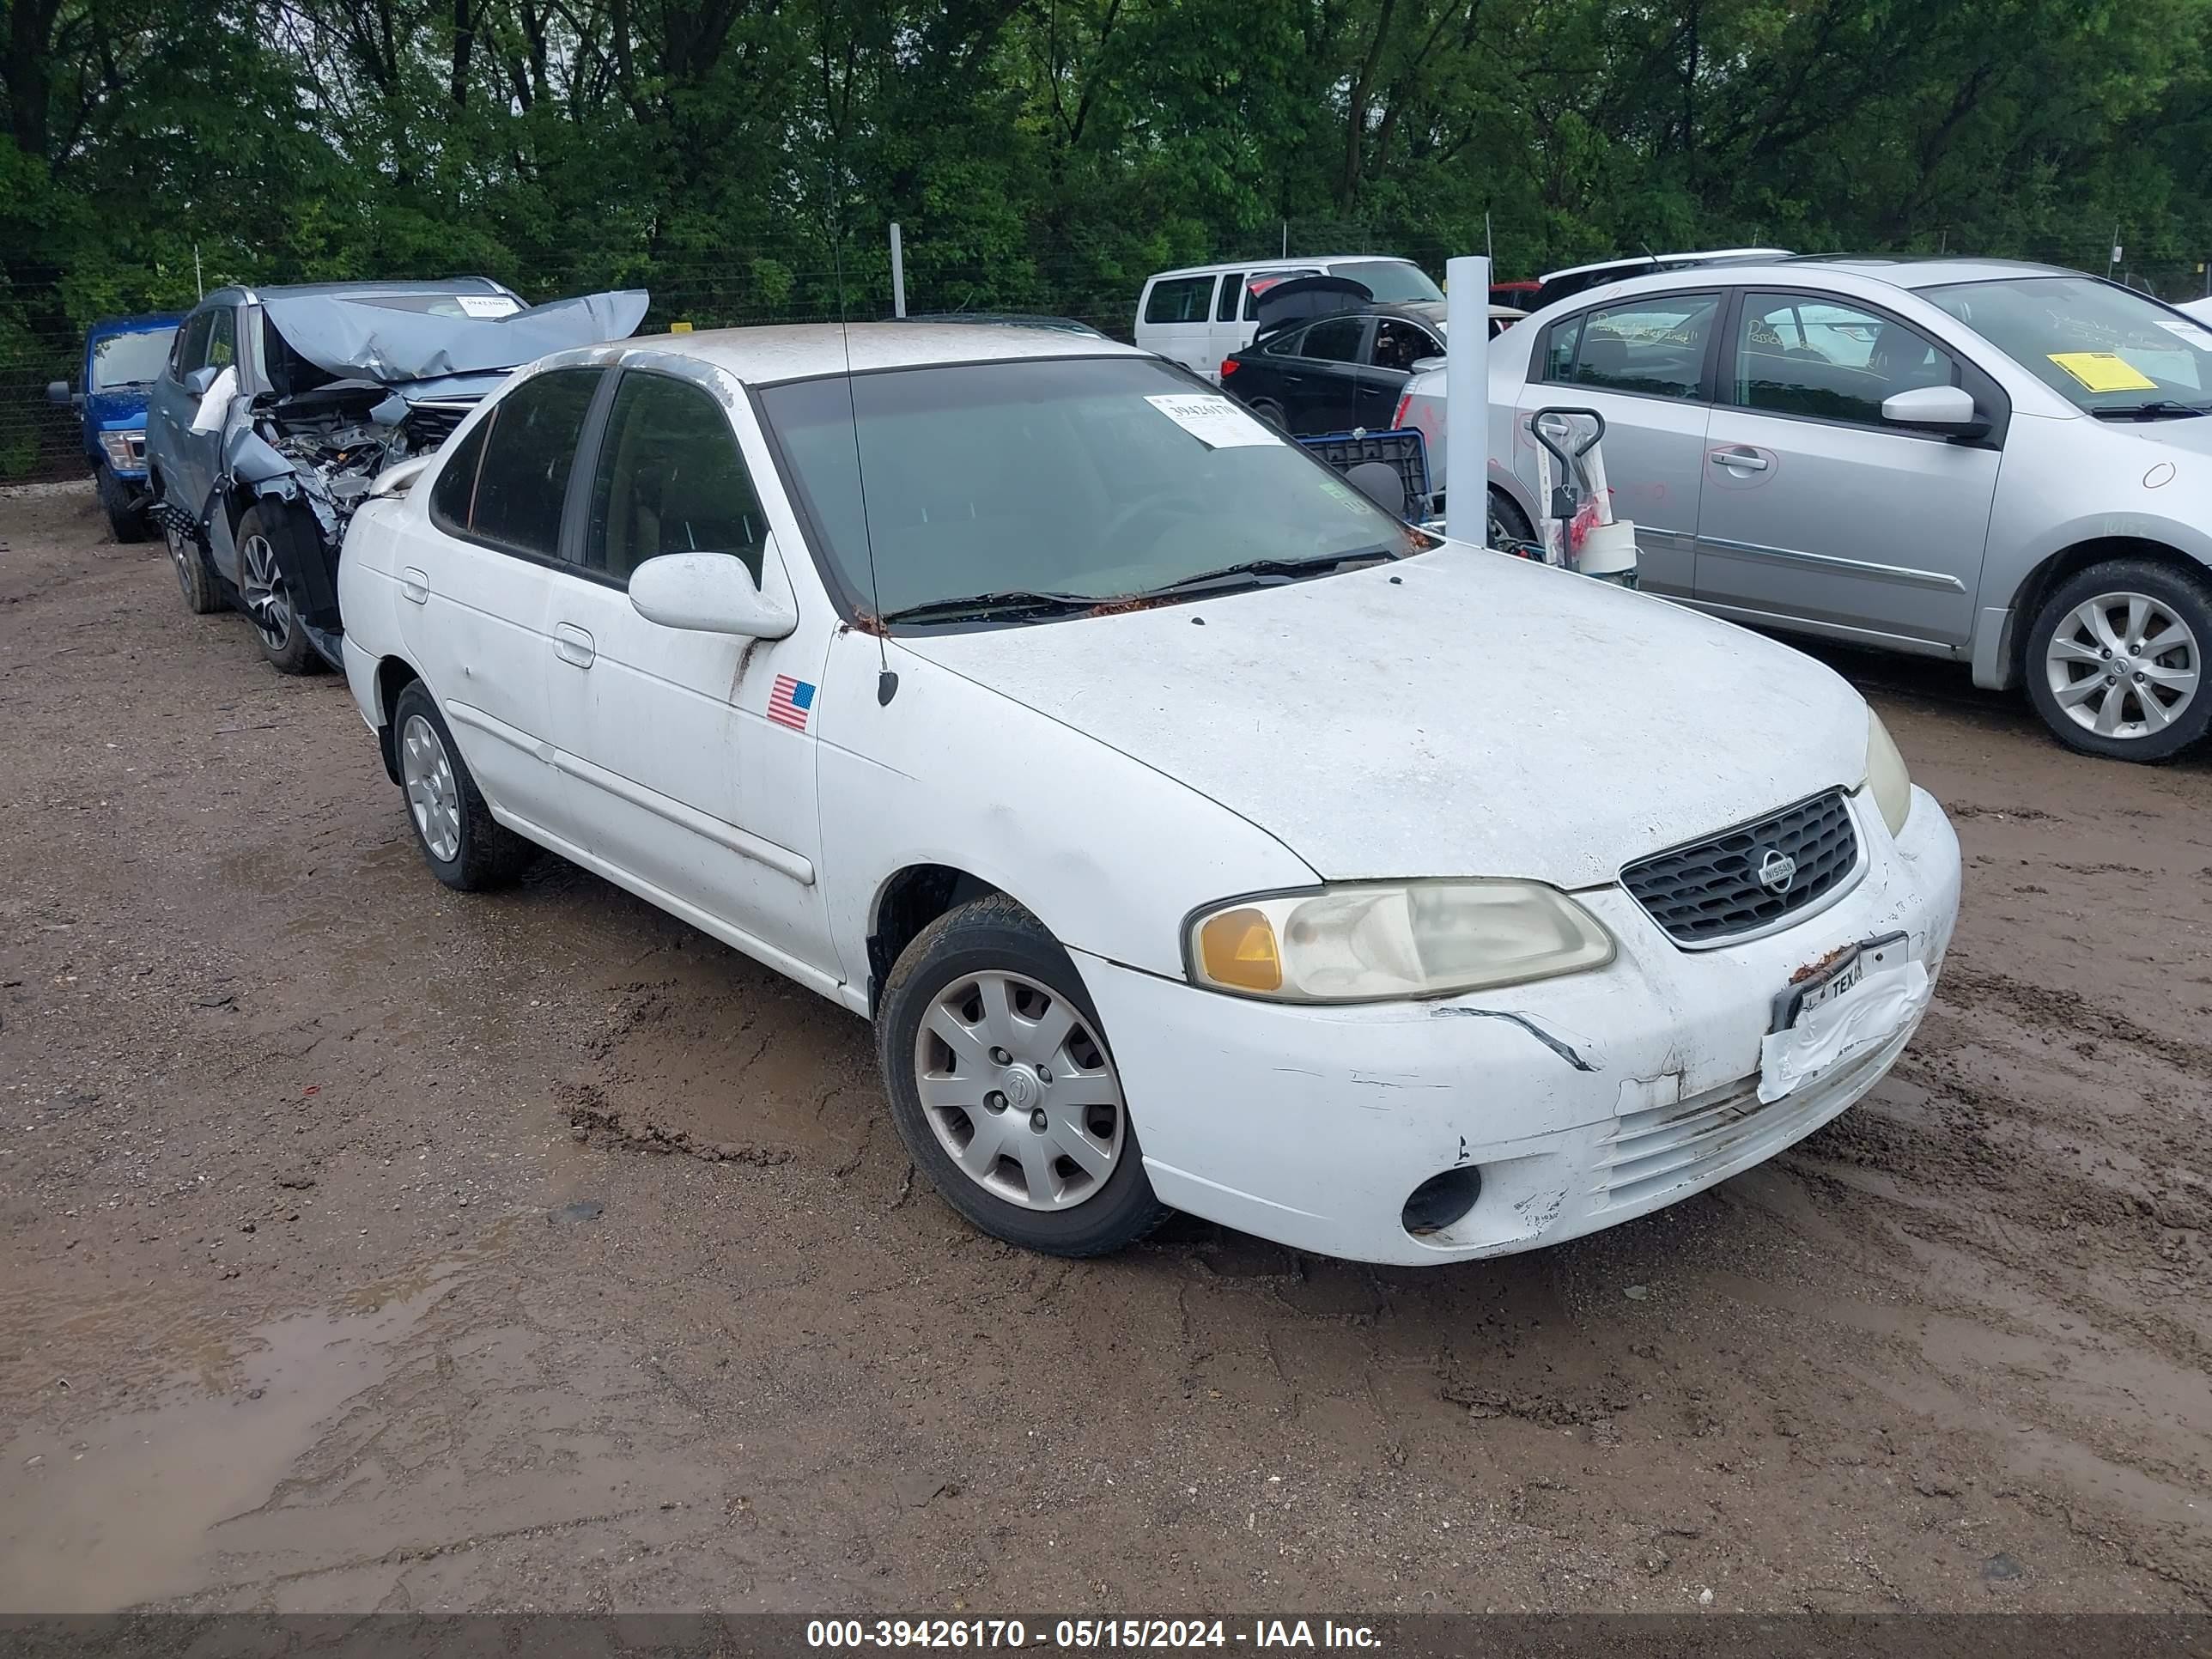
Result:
1578,1102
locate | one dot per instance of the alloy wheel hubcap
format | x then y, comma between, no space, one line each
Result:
2123,665
1018,1091
427,773
268,601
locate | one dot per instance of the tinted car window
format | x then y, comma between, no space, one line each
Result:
191,349
452,498
1225,308
669,480
528,453
1335,340
1180,300
222,340
1799,355
1654,345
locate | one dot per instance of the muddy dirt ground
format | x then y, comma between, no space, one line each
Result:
348,1265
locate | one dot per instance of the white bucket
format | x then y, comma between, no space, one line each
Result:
1608,552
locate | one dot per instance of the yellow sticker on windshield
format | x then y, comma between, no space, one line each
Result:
2104,371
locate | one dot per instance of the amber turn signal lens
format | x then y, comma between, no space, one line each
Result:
1238,949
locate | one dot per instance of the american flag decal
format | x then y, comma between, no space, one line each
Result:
789,702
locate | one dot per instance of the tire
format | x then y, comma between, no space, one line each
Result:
466,847
1505,521
993,948
266,599
1267,410
2116,660
196,577
126,520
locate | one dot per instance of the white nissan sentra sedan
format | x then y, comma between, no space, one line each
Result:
1196,835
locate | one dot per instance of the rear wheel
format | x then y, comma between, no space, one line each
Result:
1003,1088
2116,660
1505,521
1272,412
267,598
464,846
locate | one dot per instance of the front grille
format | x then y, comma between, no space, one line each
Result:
1710,891
429,424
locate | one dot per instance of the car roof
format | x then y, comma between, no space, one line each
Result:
360,290
1646,261
1896,271
1277,264
800,351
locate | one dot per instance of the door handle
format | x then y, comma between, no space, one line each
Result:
414,585
1750,460
572,645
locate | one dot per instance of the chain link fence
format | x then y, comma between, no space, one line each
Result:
802,277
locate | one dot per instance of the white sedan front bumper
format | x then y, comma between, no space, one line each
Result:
1583,1101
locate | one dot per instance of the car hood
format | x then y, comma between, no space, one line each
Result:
2194,436
118,409
354,338
1462,712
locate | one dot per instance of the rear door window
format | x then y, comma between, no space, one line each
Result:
1225,308
1334,340
529,451
1180,300
1655,344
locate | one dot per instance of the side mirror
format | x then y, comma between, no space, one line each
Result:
396,480
710,593
1948,408
58,392
201,379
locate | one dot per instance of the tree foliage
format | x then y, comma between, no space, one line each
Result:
742,157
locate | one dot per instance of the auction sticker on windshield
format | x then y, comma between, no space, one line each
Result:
2195,334
1214,420
487,305
2104,371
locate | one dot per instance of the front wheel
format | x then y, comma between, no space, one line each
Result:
126,518
2116,660
268,600
1003,1088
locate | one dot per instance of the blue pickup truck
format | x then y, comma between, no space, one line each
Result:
122,358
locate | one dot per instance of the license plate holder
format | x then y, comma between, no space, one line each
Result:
1838,978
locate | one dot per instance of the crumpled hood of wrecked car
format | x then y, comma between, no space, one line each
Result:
1461,713
354,338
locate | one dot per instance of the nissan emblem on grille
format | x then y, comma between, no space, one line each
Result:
1755,876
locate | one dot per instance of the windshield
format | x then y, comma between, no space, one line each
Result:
2102,348
129,358
1392,282
1103,477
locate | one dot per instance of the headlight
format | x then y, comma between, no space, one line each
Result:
1885,775
1372,942
118,446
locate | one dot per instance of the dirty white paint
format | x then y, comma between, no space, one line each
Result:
1457,713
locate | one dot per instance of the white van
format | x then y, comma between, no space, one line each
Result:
1201,314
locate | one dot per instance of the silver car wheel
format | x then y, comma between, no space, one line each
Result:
433,797
2123,665
268,601
181,552
1019,1091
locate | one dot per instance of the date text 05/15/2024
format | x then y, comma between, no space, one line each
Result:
1089,1634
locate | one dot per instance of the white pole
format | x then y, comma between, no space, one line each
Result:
1467,397
898,273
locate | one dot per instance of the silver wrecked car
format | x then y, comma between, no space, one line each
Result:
278,407
2006,465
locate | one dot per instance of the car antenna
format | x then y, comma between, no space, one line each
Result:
886,681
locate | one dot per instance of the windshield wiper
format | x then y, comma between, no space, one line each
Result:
1287,569
2158,409
1014,604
